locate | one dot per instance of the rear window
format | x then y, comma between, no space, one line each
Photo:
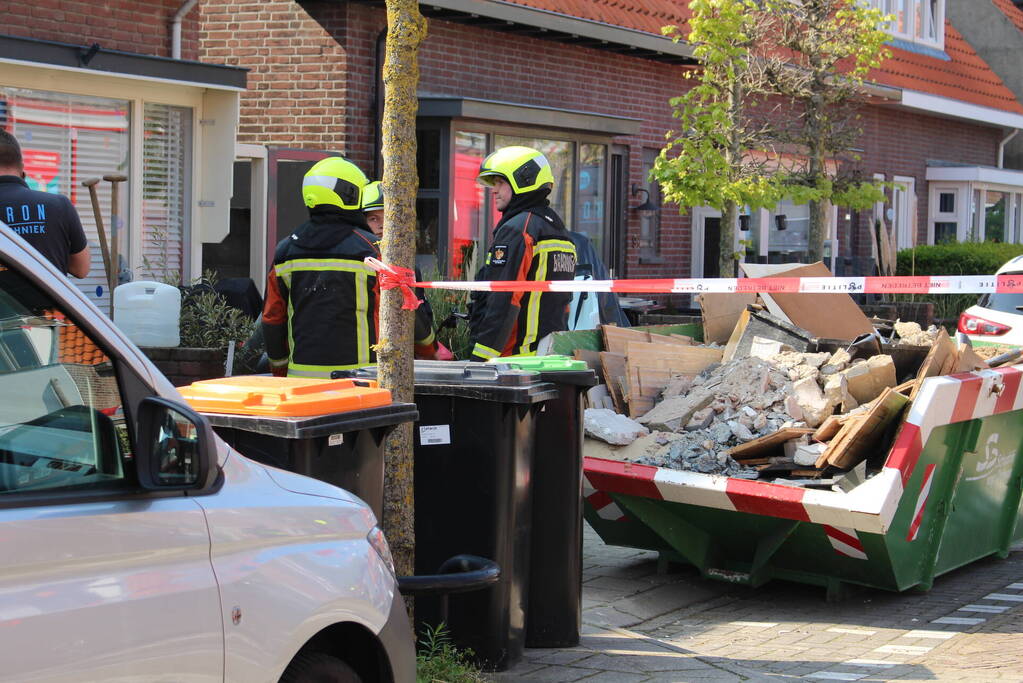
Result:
1003,301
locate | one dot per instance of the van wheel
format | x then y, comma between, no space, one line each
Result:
318,667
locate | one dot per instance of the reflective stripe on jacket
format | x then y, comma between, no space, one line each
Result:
320,311
528,246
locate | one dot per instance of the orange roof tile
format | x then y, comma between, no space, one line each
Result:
964,77
72,345
1009,9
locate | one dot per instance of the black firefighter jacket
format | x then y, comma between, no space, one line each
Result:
530,245
320,311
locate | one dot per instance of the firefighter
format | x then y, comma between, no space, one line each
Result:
530,242
426,344
320,311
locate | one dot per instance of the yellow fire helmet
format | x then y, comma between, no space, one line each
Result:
334,181
524,168
373,197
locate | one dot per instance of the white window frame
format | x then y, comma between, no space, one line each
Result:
256,155
214,130
913,10
904,208
959,215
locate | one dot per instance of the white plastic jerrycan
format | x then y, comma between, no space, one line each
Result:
148,312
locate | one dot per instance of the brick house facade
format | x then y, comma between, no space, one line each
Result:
95,88
508,72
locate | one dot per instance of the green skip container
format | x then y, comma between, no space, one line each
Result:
946,494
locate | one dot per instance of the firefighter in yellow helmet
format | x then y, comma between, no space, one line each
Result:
530,242
320,309
426,344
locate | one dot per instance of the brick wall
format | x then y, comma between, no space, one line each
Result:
142,27
313,85
296,93
470,62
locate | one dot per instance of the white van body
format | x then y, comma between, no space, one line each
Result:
203,567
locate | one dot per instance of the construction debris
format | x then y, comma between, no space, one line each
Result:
611,427
810,403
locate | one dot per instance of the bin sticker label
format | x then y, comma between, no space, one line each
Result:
335,439
434,435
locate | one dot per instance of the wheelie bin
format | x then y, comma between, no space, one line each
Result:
473,457
946,494
332,430
554,613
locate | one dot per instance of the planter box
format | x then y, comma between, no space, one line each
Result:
183,365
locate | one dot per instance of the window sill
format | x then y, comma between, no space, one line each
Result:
652,260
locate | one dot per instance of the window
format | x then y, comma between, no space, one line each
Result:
921,21
61,423
468,220
561,155
788,233
166,149
66,139
591,192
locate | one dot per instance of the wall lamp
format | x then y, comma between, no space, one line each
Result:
744,222
647,206
781,221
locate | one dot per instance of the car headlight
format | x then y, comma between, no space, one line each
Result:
379,543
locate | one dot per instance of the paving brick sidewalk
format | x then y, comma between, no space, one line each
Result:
643,626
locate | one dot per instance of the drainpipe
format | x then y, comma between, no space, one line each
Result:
1002,144
185,8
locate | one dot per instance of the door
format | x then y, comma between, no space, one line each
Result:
99,580
616,210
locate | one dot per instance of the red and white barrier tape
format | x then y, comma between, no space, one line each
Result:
393,276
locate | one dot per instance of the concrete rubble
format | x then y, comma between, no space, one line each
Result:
773,398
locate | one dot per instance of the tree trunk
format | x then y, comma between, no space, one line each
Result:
817,232
733,155
406,29
726,242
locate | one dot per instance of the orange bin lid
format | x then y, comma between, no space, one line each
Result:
283,396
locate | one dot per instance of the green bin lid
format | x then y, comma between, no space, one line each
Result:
542,363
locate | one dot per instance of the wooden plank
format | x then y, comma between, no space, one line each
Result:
768,443
861,436
829,428
733,340
941,356
615,338
721,314
615,372
651,365
592,360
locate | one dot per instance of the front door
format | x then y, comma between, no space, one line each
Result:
99,581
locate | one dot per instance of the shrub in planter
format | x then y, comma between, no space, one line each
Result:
208,321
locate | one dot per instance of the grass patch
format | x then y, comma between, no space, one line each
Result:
440,661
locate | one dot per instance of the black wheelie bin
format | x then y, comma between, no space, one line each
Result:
332,430
554,613
473,456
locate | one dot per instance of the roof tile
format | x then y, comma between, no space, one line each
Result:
964,77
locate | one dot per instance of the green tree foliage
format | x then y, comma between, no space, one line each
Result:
716,156
819,57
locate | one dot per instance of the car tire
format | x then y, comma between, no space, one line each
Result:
318,667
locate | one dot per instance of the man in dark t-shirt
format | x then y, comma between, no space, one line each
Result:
47,221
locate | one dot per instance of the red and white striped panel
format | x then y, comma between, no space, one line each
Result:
845,542
871,506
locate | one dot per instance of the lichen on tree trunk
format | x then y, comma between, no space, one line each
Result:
406,29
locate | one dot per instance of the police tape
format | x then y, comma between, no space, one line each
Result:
393,276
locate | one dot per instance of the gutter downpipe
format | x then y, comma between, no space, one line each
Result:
179,16
1002,144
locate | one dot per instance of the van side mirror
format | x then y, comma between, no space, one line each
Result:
176,449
